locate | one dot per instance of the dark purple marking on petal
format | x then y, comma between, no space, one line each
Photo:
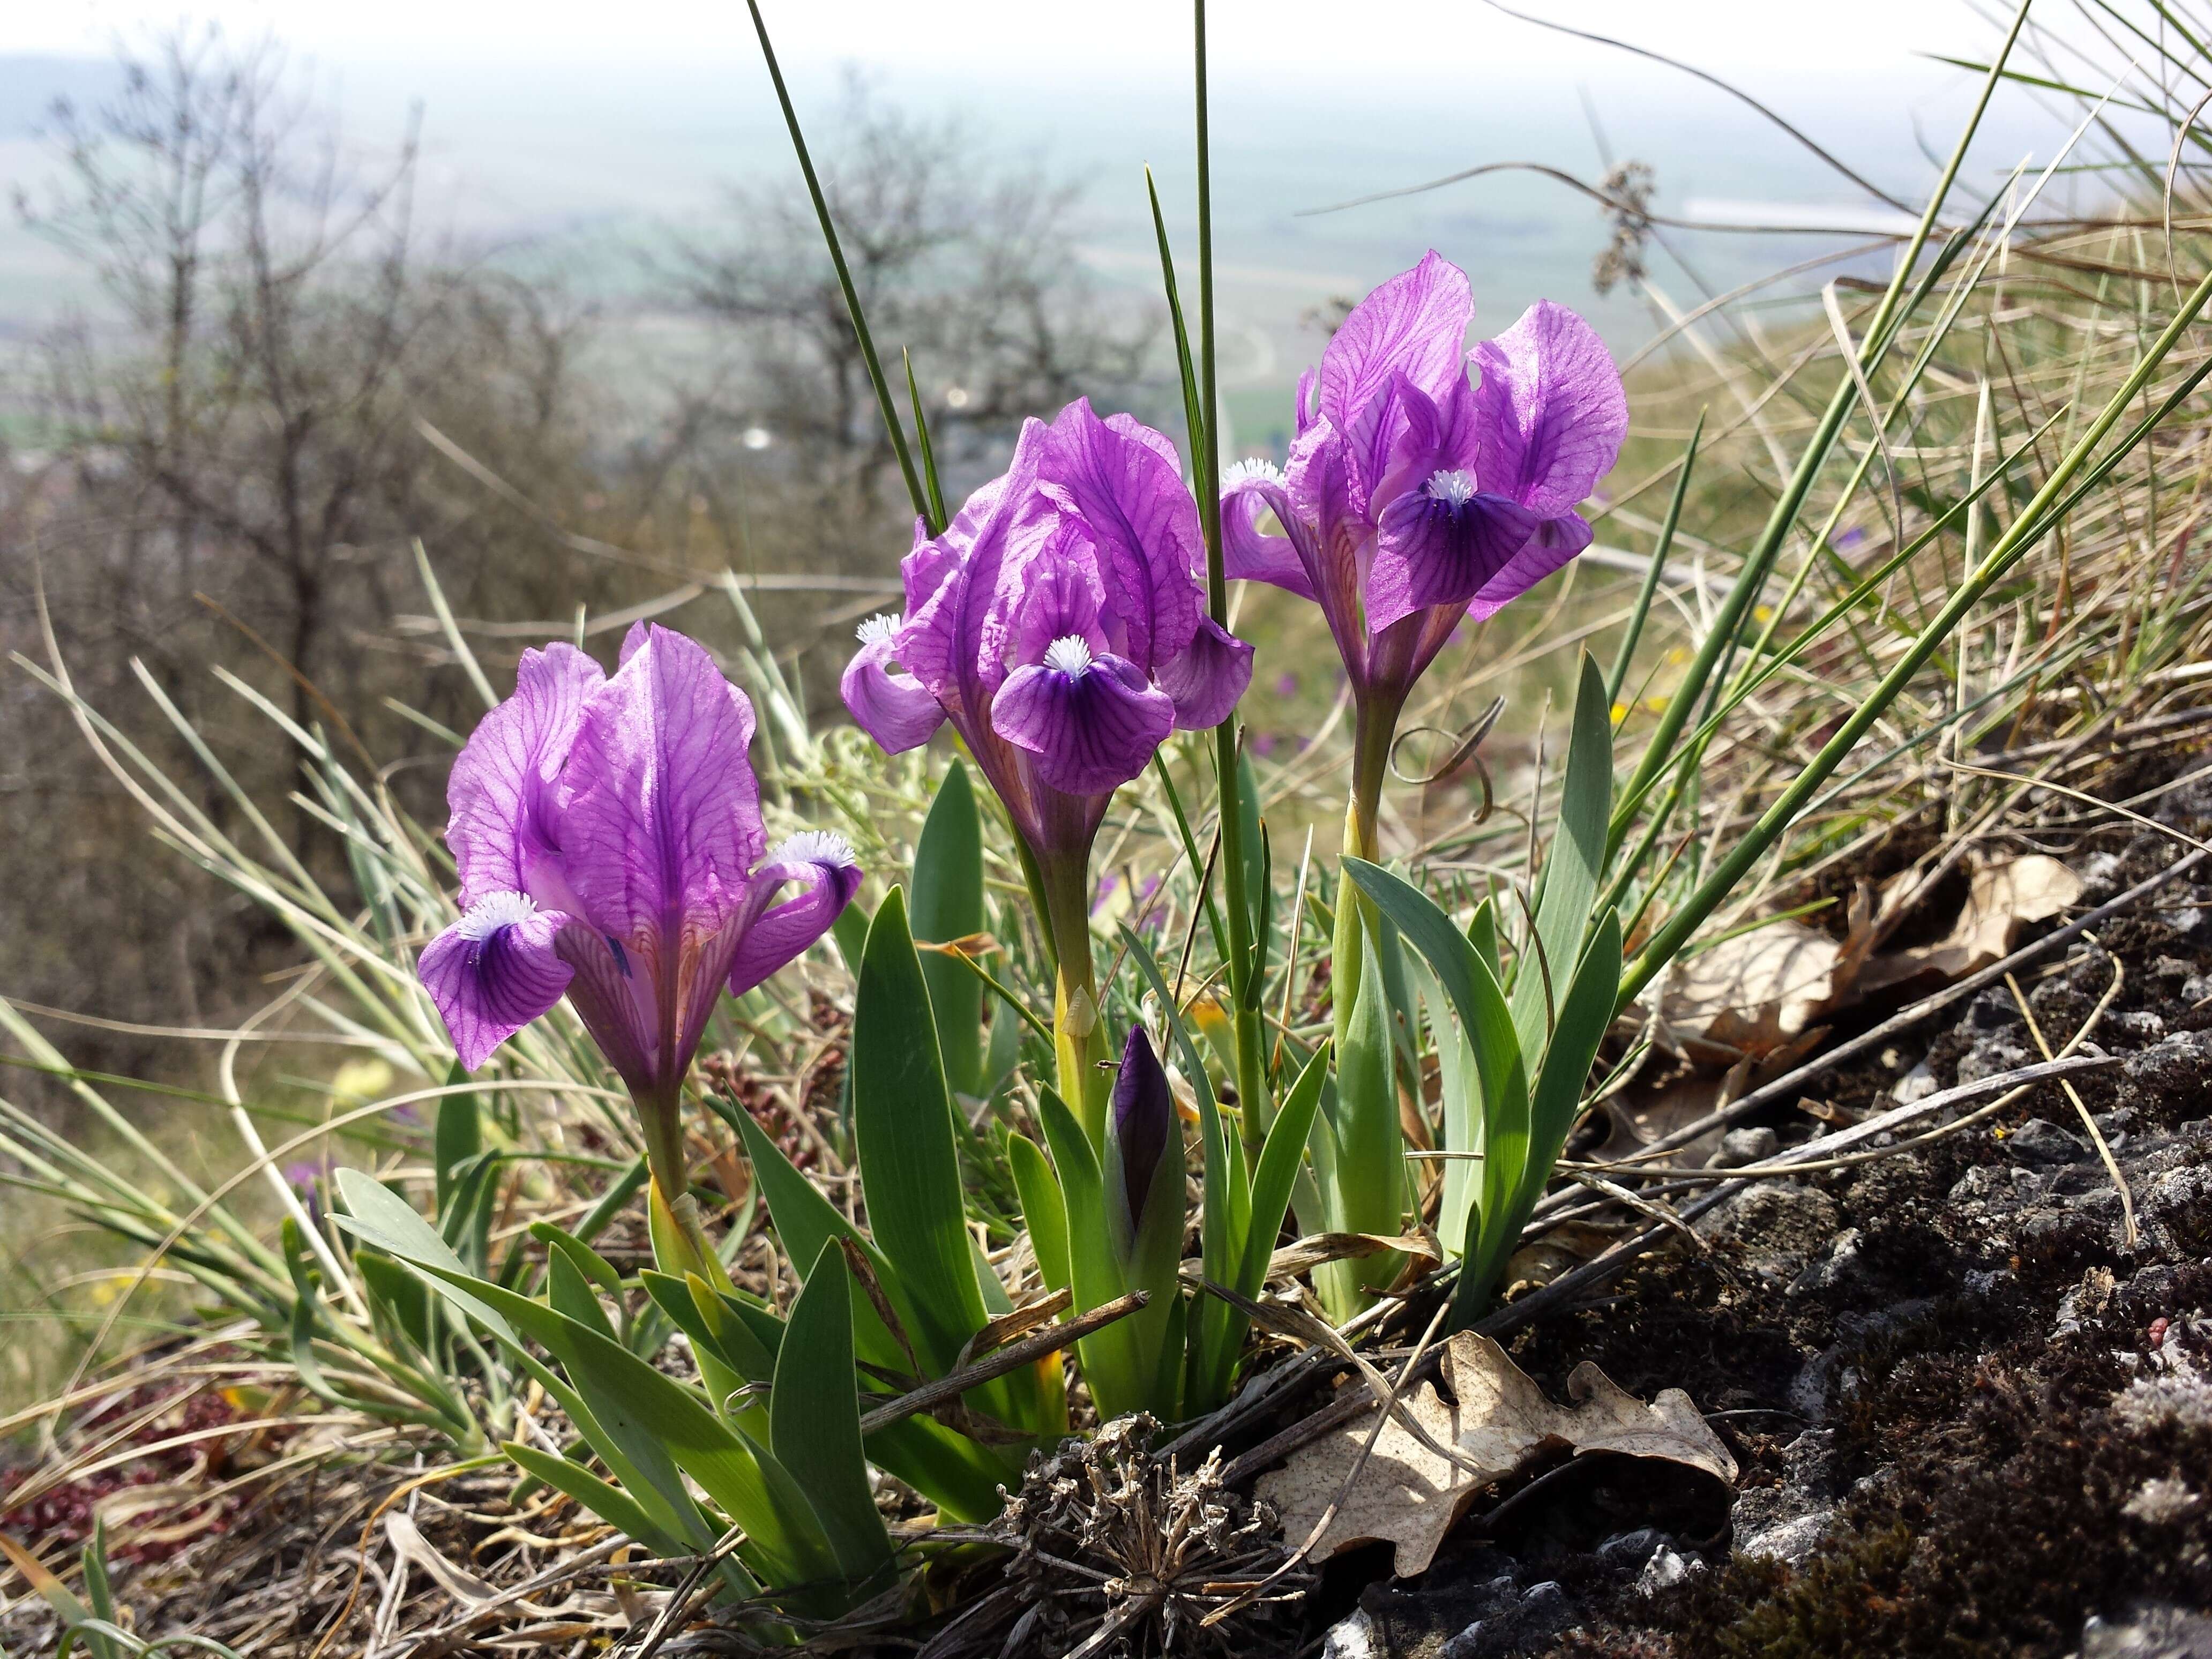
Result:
1556,542
1439,544
493,971
1089,724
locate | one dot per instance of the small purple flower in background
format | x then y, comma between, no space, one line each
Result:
1413,496
1059,625
1286,685
608,834
301,1175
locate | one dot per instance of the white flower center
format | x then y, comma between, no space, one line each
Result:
879,627
1251,467
1455,488
1069,654
488,915
816,846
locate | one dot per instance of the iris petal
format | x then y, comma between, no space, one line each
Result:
1439,544
1556,541
1551,409
893,708
825,863
1087,729
500,791
1205,681
493,971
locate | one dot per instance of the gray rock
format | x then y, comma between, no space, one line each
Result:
1841,1262
1992,1056
1791,1542
1631,1549
2154,1630
1741,1146
2139,1023
2162,1502
2178,1065
2040,1144
1357,1637
1667,1567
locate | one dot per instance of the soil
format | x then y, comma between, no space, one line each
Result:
1972,1417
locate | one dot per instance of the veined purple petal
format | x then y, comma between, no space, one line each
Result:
1142,522
1438,544
1060,595
1128,426
1551,409
1089,724
661,820
1249,489
1306,407
1140,1121
895,709
1206,681
500,794
616,993
957,632
1414,324
1556,541
825,863
493,971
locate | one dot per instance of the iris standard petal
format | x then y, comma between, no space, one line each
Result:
1143,525
1414,324
493,971
1205,681
1059,594
1088,723
1551,410
661,823
1555,541
893,708
499,795
1439,544
831,873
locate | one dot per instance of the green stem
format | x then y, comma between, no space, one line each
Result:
680,1244
1254,1100
1079,1031
1374,728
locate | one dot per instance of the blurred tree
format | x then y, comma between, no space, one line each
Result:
232,472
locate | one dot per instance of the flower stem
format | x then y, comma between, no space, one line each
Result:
680,1244
1374,728
1079,1032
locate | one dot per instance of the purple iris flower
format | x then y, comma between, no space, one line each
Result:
608,836
1059,623
1413,496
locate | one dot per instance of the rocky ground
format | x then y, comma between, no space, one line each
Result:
1973,1416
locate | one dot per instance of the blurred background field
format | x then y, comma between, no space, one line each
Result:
278,302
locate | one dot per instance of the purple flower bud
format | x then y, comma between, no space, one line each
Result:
1140,1124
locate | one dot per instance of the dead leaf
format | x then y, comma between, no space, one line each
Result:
1559,1248
1751,994
2002,900
1407,1496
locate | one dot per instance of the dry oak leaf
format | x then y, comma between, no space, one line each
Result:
1407,1496
1752,993
2002,900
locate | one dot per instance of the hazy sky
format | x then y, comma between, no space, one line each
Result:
1421,41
